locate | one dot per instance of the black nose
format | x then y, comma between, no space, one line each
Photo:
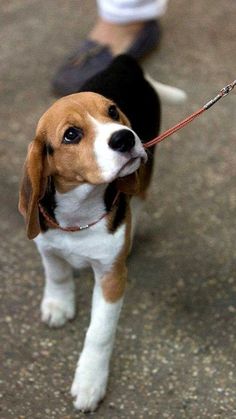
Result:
122,140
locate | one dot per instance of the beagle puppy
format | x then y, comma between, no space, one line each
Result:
85,173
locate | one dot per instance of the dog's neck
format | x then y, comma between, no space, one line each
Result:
81,205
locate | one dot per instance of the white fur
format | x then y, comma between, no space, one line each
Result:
94,247
80,249
58,304
81,205
168,94
112,163
90,381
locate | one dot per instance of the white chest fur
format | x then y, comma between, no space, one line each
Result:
81,206
84,248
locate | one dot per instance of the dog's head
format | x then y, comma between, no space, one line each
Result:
82,138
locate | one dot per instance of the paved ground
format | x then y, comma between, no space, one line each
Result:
175,353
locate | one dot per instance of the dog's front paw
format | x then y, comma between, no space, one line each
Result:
89,388
56,312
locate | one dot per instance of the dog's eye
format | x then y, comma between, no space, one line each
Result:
72,135
113,112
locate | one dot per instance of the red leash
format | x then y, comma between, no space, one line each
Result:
223,92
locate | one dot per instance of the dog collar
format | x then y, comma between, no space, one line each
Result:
51,222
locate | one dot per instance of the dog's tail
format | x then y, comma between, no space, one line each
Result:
168,94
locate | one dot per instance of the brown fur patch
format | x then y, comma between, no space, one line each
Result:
33,186
114,282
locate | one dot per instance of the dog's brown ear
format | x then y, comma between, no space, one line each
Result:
33,186
129,184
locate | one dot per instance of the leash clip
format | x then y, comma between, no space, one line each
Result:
223,92
227,89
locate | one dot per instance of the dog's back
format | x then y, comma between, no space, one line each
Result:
124,82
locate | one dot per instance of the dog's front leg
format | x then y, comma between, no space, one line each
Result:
91,376
58,303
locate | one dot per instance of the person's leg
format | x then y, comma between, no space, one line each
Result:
120,21
127,11
123,26
118,36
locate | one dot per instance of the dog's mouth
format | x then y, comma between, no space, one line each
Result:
131,165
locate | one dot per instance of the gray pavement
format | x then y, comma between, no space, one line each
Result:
175,351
